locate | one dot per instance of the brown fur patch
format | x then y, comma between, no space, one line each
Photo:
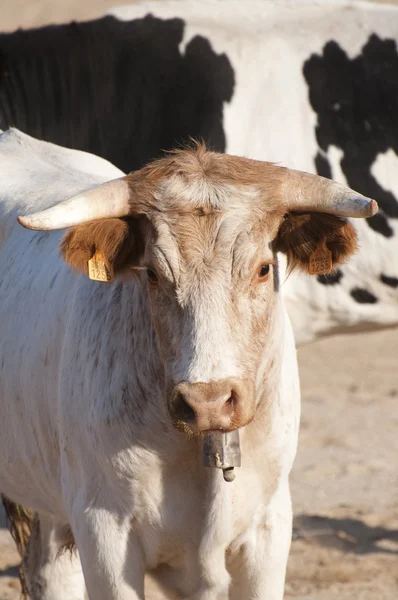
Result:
300,233
67,541
196,164
19,520
118,240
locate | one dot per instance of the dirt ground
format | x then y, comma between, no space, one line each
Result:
345,479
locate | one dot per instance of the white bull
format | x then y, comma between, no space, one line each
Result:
106,389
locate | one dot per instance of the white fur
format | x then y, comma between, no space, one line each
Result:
76,447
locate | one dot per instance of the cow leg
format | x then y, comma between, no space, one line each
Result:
50,572
110,553
258,568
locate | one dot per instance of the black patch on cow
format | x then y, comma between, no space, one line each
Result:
120,89
356,101
322,166
380,224
330,278
391,281
363,296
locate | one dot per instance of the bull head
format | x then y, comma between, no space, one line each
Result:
206,228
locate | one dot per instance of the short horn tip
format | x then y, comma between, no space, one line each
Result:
33,222
363,207
373,208
24,221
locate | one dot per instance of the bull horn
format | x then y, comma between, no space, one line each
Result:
111,199
312,193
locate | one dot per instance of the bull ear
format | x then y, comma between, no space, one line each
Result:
119,241
315,220
300,234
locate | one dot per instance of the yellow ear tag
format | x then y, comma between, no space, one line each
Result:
98,270
320,260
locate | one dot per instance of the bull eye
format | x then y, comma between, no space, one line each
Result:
263,272
153,278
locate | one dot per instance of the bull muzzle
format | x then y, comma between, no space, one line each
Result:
216,410
198,408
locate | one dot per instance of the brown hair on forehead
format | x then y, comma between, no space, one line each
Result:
196,235
193,180
206,241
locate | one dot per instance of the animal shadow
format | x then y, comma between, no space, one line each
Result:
348,535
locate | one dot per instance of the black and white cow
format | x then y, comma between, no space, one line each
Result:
314,87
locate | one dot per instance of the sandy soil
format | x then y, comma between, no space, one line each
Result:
345,479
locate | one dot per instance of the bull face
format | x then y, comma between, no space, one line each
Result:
211,282
202,231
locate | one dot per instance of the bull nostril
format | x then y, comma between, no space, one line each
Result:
232,400
182,410
230,404
186,413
